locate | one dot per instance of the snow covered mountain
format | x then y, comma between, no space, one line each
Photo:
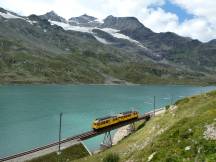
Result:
116,37
110,26
9,15
110,31
85,21
53,17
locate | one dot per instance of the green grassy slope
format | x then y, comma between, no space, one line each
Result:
71,153
168,136
88,67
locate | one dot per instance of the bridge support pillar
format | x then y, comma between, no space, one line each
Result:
107,141
132,127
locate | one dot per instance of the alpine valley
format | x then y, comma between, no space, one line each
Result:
116,50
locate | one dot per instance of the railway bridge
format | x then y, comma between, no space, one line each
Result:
81,137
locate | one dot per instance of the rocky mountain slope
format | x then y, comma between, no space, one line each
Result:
48,48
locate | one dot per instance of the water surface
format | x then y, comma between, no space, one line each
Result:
29,114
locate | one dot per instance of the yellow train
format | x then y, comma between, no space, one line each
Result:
111,120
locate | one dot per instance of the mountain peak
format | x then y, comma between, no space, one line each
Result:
3,10
87,16
53,17
122,23
212,42
52,12
84,20
9,14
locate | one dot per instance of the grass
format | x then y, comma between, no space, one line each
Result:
168,136
111,157
86,68
69,154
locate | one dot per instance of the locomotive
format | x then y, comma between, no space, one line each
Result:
107,121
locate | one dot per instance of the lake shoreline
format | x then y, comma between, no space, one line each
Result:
101,84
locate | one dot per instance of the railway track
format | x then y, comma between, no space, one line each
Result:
80,137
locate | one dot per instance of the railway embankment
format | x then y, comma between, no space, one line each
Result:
125,131
183,132
69,151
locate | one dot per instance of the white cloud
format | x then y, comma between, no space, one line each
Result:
202,26
197,28
200,8
159,20
68,8
26,7
128,7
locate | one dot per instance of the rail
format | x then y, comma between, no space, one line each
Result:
82,136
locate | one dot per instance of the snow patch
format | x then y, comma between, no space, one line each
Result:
115,33
101,40
10,16
70,27
101,21
32,22
79,29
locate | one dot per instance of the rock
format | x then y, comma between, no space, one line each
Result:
210,132
53,17
151,156
121,133
187,148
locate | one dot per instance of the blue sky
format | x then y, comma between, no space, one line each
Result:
190,18
180,12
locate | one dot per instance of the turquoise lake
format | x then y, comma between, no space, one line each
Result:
29,114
